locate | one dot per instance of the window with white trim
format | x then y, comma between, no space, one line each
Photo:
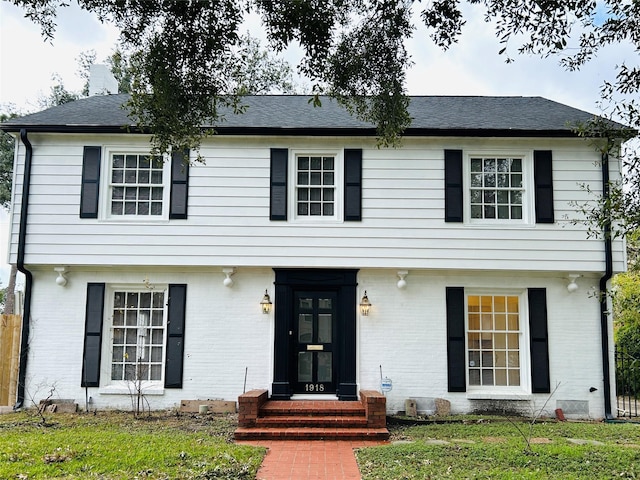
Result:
496,188
494,340
138,324
136,185
316,190
315,186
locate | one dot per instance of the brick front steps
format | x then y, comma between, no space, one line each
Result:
262,419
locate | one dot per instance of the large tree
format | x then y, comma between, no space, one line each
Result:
185,52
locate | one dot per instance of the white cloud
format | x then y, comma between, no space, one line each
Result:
28,61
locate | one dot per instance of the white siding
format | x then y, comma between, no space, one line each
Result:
228,224
226,333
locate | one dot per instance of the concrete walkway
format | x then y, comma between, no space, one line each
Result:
310,460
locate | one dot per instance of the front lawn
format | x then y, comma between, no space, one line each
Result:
113,445
494,449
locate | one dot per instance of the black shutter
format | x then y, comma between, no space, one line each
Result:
455,340
540,382
175,336
278,196
179,184
542,175
90,182
93,335
453,198
353,184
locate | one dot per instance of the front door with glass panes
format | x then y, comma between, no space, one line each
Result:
314,337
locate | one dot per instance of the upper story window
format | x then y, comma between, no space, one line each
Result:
496,188
315,186
121,183
494,341
137,185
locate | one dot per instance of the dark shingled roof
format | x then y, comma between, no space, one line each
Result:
295,115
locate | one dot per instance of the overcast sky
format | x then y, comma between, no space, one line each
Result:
471,67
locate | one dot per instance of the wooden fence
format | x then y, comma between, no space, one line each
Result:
9,357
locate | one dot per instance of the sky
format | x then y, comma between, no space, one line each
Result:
470,67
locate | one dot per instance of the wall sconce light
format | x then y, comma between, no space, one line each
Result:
365,305
573,286
265,303
228,282
402,283
61,279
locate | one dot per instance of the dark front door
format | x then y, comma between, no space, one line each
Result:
315,333
315,315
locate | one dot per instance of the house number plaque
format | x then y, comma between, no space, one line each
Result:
314,387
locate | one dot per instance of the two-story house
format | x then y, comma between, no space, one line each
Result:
301,258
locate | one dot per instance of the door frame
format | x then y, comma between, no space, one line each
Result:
344,283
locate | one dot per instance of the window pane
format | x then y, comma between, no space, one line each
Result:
514,377
316,178
327,178
474,341
303,209
501,359
500,340
501,377
487,377
143,208
476,211
474,358
325,366
501,322
303,163
476,164
315,209
474,377
487,359
305,366
489,164
117,371
327,209
156,372
303,194
315,194
516,213
117,176
516,165
131,161
118,161
324,328
474,322
489,212
503,212
327,163
305,328
316,163
327,194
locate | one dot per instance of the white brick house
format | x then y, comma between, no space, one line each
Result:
461,238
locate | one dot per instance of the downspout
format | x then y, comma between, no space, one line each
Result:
604,315
22,240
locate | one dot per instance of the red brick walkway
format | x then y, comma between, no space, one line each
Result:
310,460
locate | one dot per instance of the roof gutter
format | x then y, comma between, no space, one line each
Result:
22,241
604,314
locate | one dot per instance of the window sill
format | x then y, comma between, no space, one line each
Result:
118,390
499,396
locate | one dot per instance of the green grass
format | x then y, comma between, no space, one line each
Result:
113,445
496,450
118,446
